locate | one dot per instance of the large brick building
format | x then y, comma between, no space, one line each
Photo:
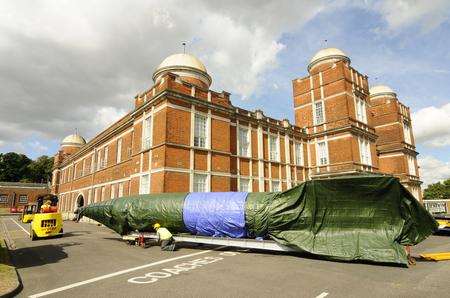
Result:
181,136
18,194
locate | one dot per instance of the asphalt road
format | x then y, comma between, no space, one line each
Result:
92,261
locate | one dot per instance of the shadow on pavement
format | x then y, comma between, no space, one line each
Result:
39,255
75,233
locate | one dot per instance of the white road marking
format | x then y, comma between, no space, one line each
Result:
77,284
322,295
20,226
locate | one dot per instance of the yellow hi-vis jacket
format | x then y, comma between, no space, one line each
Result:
163,234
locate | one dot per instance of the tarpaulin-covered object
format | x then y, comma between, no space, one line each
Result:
349,218
215,214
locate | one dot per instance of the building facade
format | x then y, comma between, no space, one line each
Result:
18,194
181,136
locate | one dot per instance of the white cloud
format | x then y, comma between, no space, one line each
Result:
71,64
399,14
432,126
433,170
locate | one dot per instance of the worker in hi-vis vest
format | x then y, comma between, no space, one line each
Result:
164,237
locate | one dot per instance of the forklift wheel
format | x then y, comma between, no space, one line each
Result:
60,234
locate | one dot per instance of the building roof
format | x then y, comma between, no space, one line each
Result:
73,140
381,90
182,60
23,185
326,54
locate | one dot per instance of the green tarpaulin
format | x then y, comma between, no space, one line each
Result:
367,218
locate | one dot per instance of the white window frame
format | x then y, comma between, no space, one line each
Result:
244,184
99,159
274,148
113,191
120,192
200,182
147,133
322,153
21,201
200,130
275,185
361,110
3,199
119,151
93,163
105,158
298,153
407,132
365,153
144,186
411,165
319,118
244,141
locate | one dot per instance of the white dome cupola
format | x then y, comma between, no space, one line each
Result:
381,90
188,67
73,140
327,55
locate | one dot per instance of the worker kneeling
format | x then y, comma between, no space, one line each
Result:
164,237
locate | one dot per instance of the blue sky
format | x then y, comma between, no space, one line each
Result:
64,65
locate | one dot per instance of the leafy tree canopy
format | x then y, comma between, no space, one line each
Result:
16,167
439,190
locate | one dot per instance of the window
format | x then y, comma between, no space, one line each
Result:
244,185
407,132
145,184
3,199
364,152
120,194
318,108
83,168
93,163
113,191
119,151
99,160
361,110
411,165
274,153
96,194
200,183
105,158
200,131
103,194
244,142
299,154
322,153
436,207
276,186
147,133
23,199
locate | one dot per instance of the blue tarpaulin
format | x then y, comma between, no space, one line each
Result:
217,214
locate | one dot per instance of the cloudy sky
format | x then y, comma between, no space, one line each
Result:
78,64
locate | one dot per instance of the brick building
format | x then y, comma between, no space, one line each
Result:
181,136
18,194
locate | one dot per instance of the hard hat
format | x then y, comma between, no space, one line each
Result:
156,226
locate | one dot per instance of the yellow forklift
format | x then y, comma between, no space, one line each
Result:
47,221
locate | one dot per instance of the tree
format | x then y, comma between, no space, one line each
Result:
40,170
13,166
437,191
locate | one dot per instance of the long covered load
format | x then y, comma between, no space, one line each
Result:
367,218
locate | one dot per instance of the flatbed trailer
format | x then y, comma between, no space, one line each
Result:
140,237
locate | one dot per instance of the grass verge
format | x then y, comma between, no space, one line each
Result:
8,274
